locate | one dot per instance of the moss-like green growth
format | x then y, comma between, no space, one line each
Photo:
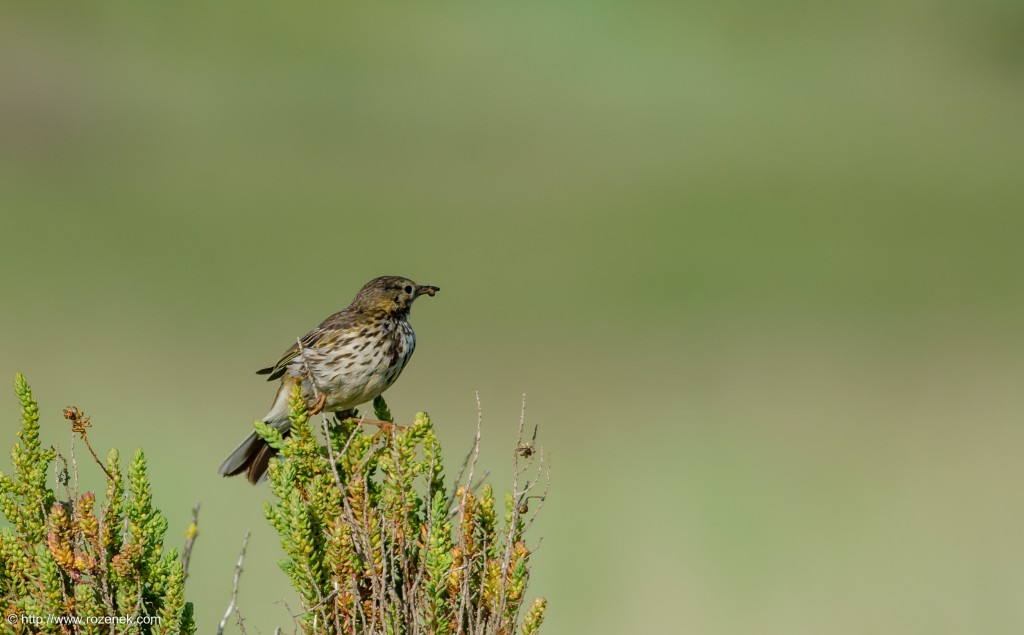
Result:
374,542
66,567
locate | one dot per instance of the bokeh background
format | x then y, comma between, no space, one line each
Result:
757,267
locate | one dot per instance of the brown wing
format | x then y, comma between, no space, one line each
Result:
319,336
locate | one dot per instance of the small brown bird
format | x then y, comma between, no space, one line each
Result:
350,359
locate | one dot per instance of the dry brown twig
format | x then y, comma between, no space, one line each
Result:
191,533
79,424
234,588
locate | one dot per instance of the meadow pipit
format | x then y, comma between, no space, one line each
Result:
350,359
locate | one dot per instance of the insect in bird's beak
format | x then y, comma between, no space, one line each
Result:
427,289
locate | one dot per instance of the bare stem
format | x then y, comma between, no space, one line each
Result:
190,539
234,585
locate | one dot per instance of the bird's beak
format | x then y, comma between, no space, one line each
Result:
426,289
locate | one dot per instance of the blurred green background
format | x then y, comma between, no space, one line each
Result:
757,267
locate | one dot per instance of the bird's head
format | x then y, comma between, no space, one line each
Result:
390,295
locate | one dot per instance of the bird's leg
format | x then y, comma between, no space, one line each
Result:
318,405
385,426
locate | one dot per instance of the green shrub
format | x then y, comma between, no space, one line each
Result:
375,544
68,567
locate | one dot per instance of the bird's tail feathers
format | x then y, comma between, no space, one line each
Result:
253,455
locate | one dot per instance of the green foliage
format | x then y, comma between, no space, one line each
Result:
63,559
374,544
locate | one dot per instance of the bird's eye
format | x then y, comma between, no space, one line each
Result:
408,288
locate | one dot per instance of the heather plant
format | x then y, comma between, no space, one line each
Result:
374,542
70,564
